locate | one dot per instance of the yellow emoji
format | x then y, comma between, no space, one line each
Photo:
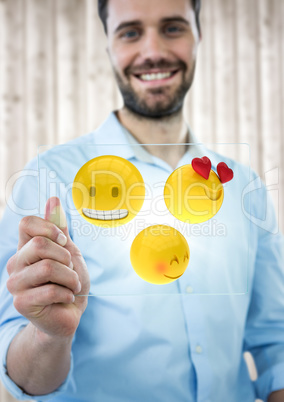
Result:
159,254
108,191
194,193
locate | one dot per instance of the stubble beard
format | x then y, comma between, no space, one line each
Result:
160,109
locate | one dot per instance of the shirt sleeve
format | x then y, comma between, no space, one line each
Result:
23,201
264,334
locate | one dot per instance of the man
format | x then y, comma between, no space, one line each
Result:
144,347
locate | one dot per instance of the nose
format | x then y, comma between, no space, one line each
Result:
154,47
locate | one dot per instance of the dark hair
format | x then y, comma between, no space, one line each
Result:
102,9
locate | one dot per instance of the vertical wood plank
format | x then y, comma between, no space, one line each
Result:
281,62
226,77
102,90
39,77
270,94
247,66
69,57
12,87
82,124
2,95
280,10
270,35
200,103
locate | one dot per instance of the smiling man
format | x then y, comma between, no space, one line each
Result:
153,48
154,58
172,348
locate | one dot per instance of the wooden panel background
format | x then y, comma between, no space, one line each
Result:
56,82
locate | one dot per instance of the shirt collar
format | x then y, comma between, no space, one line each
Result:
111,138
111,133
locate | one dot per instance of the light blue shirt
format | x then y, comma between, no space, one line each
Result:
178,342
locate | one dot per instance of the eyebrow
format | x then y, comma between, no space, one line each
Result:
127,24
123,25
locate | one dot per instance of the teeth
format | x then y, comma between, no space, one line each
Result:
157,76
105,215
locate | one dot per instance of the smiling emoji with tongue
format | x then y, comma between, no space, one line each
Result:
108,191
194,193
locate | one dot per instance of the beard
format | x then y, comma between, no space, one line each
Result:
139,106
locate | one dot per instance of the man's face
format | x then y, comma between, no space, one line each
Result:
152,46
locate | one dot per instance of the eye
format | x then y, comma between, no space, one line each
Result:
173,29
186,257
130,34
174,259
92,191
114,192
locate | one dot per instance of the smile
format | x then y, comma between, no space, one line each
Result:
156,76
213,195
172,277
105,215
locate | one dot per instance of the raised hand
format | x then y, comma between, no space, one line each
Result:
47,273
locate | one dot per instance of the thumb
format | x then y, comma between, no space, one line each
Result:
54,213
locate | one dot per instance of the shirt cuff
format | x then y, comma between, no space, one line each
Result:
270,381
11,387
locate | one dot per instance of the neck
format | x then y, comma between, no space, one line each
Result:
167,130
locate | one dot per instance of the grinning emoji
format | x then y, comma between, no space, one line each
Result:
108,191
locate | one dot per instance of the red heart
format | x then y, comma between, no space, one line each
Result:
202,166
224,172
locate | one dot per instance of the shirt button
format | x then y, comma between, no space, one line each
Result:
198,349
189,289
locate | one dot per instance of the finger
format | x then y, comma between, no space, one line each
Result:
44,272
41,248
31,226
30,302
55,213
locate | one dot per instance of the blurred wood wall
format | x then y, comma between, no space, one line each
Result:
56,82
